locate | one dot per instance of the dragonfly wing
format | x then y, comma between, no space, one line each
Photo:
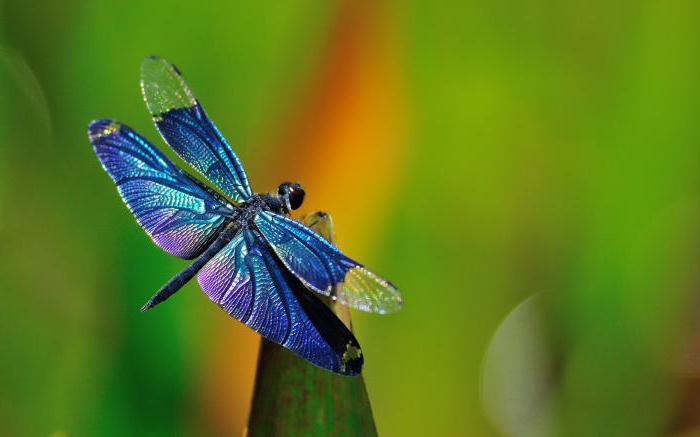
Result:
250,284
185,126
324,268
180,215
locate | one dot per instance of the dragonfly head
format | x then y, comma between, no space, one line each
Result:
291,194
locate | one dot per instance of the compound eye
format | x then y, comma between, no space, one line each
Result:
296,196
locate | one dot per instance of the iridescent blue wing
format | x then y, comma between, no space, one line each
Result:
250,284
178,213
324,268
185,126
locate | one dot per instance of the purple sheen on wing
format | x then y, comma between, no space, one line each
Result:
180,216
249,283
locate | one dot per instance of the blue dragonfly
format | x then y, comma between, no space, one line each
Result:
250,257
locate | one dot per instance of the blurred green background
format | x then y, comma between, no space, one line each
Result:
477,153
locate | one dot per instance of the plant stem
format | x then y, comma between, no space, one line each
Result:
293,397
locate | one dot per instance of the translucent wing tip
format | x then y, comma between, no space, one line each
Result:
163,87
367,291
394,302
397,300
101,128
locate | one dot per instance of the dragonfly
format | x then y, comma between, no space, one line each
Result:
252,259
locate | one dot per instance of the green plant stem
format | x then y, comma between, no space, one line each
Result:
295,398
